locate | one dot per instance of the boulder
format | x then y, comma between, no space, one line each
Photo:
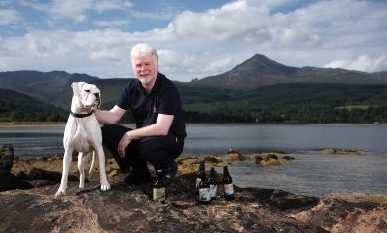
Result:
8,181
256,159
270,162
6,157
234,156
214,161
340,151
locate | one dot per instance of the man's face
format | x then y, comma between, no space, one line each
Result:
145,70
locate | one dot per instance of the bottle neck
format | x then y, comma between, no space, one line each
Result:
225,171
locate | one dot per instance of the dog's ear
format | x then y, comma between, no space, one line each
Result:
77,87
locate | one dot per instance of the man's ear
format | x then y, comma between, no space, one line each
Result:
77,86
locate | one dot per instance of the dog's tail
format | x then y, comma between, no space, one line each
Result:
92,163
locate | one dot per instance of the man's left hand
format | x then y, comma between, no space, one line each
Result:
123,144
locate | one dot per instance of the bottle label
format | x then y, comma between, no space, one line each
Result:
229,189
213,190
204,194
198,182
159,194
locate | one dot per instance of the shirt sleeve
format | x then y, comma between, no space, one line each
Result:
124,99
169,100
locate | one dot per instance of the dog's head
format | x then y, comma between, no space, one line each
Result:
88,94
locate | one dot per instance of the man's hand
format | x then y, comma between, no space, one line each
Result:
123,144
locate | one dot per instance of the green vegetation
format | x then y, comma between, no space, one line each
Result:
295,103
281,103
17,107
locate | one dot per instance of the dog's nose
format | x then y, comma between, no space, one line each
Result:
96,95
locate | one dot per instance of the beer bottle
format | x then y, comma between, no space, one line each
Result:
159,188
213,182
201,175
228,187
204,191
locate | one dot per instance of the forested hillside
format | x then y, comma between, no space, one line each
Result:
295,103
16,107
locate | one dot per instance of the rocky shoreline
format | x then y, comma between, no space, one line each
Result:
129,208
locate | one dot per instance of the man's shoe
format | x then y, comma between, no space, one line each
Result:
137,179
171,171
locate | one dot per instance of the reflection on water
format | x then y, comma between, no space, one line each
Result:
310,173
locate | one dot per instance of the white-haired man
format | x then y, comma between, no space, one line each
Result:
156,107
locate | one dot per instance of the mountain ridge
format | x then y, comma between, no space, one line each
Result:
259,71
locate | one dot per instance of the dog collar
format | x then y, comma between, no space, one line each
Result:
81,115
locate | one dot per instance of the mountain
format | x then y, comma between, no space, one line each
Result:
15,106
260,71
44,86
257,90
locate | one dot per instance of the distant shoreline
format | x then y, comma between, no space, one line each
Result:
62,124
31,124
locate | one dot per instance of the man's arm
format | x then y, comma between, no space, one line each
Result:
161,127
109,117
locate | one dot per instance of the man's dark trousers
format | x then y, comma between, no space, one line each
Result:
160,151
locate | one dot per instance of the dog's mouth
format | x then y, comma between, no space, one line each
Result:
96,103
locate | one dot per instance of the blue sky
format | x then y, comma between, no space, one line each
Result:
194,38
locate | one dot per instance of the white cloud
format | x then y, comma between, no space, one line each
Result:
363,62
348,34
8,17
108,5
112,23
71,9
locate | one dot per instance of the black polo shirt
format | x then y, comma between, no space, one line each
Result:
164,98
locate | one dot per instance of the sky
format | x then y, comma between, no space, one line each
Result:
194,38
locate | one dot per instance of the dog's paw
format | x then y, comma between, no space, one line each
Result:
60,192
105,186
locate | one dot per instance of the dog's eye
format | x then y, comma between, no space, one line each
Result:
87,90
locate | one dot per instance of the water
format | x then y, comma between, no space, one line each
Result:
311,173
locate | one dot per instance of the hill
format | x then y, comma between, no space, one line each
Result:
260,71
257,90
16,107
295,103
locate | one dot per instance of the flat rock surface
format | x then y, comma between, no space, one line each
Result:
129,208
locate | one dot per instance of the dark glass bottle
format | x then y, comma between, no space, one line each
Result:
159,188
204,191
213,182
201,175
228,187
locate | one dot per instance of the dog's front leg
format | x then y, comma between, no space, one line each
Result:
102,169
66,167
81,168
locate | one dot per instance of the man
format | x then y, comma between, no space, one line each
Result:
156,107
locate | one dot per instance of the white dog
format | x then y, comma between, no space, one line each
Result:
83,134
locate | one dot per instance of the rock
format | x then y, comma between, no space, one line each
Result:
188,161
130,208
6,157
214,161
40,174
287,157
256,159
8,181
336,215
231,157
270,162
341,151
187,164
271,156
